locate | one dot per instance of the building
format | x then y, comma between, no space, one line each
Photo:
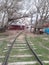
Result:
15,26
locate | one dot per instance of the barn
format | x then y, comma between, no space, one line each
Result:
16,27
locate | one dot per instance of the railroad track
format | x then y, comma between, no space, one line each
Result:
10,48
26,47
33,52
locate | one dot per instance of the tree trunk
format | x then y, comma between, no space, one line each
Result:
34,30
35,27
3,29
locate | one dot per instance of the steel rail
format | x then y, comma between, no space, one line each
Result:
33,52
5,62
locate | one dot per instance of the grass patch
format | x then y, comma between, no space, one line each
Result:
1,59
3,44
46,64
21,45
16,51
40,50
21,59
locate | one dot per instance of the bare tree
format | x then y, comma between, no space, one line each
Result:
9,7
12,8
42,10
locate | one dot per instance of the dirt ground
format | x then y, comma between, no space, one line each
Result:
10,34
